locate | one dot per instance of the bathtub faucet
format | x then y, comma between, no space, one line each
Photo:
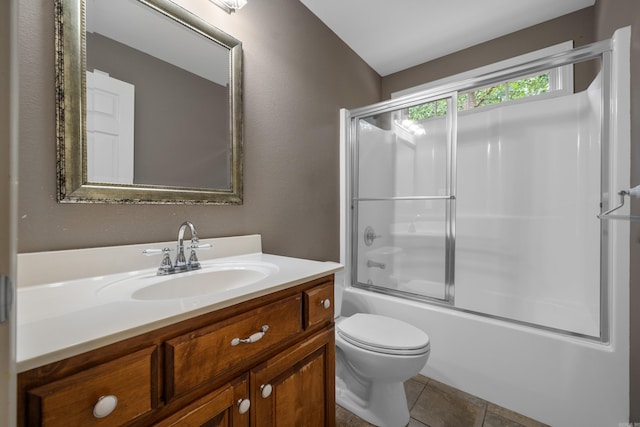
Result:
379,265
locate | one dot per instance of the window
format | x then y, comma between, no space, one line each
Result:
498,93
556,81
428,110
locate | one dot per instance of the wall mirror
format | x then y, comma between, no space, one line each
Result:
148,105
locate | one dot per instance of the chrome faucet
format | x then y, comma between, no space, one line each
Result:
181,264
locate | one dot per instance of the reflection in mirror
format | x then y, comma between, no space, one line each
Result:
162,118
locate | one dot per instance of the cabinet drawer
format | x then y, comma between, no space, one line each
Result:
70,401
195,358
316,301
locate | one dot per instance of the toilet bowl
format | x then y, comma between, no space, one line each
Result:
374,356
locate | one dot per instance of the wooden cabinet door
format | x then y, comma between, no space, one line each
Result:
297,387
221,408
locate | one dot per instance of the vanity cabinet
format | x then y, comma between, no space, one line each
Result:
262,362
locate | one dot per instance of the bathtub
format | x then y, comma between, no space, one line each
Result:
559,380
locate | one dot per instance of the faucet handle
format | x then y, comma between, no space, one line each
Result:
200,246
166,267
149,252
194,264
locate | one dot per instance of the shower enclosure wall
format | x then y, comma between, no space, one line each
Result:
481,226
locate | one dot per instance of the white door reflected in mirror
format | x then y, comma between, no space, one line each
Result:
110,124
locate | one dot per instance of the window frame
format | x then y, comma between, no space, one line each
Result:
560,78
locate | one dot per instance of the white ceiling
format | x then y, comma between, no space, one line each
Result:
395,35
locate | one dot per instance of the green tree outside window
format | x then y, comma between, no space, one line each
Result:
501,92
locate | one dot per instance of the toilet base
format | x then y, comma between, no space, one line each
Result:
387,405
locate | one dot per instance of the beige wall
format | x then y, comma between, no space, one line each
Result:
577,26
611,15
297,75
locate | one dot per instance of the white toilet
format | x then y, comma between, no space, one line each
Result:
374,356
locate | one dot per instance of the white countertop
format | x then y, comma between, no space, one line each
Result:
63,318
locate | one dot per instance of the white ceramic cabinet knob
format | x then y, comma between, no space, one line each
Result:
104,406
326,303
266,390
244,405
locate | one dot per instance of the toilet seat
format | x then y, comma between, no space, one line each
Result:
383,335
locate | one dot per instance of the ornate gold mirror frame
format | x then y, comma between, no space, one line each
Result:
71,135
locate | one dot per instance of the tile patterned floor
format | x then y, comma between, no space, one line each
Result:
433,404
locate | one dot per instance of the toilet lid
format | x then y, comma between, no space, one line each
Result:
383,334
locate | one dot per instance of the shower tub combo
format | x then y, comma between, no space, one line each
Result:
480,226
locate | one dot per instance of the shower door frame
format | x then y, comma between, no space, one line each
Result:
602,51
450,178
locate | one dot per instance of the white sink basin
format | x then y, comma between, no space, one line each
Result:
214,278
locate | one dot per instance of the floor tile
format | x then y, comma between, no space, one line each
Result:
434,404
443,406
496,420
421,379
345,418
495,413
412,389
416,423
456,392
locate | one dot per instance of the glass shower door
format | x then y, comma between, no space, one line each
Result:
403,201
503,196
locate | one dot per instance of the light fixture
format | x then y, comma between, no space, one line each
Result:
229,5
